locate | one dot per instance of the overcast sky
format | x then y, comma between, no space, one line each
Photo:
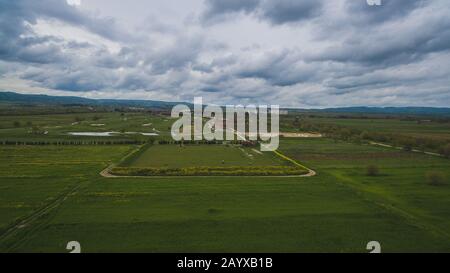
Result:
296,53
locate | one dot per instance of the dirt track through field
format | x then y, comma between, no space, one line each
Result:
400,148
27,223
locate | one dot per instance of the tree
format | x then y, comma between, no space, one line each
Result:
372,170
16,124
435,179
365,135
407,147
36,130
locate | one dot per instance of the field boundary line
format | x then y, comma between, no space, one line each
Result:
310,171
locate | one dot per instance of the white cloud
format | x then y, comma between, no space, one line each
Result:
74,2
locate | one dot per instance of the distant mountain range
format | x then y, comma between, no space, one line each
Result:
13,97
66,100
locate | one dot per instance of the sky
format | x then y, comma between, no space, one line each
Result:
295,53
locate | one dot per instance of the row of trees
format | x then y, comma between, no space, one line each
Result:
355,135
18,124
72,142
80,119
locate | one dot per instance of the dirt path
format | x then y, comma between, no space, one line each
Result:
310,171
256,151
400,148
106,173
26,223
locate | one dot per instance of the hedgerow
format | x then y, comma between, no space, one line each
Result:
210,171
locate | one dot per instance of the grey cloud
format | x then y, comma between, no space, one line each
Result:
219,63
277,12
217,10
76,80
57,9
176,56
288,11
399,36
280,69
20,44
211,89
388,10
404,47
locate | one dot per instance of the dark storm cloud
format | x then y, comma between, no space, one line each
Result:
288,11
275,11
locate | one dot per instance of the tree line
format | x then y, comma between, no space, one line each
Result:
408,143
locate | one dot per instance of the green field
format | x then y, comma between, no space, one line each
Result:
50,195
58,126
176,156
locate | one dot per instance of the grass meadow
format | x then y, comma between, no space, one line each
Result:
177,156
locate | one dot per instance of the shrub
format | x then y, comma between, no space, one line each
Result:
16,124
435,179
78,119
445,151
372,170
213,211
365,135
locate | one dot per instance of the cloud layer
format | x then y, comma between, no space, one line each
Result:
297,53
